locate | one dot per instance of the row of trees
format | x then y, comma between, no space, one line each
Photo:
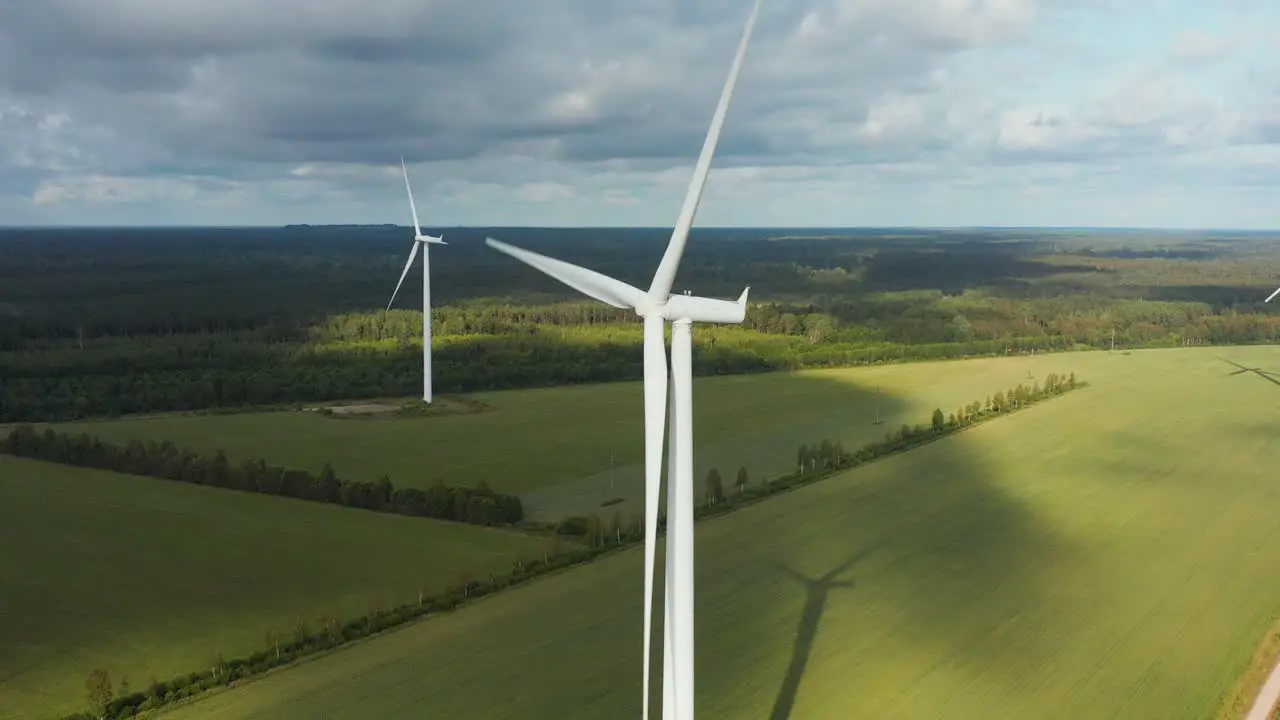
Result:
477,506
601,534
110,702
826,456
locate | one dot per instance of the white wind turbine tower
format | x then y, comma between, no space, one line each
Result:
657,306
418,237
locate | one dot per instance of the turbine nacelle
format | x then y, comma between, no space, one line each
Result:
705,310
429,239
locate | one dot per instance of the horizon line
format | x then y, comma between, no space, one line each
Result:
807,228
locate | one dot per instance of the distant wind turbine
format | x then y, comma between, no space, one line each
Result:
418,237
656,307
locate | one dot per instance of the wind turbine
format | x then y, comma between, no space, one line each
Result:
656,307
1272,296
418,237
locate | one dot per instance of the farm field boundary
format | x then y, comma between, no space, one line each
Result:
602,541
1261,666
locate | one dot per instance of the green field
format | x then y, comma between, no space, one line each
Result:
1107,554
152,578
554,446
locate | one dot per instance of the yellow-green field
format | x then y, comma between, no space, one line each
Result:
555,446
151,578
1110,553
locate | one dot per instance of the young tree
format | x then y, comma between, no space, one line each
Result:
802,457
329,486
1071,381
939,420
714,487
997,401
826,453
595,529
100,693
384,491
742,480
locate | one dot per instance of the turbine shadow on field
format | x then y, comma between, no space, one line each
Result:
957,554
1271,377
816,593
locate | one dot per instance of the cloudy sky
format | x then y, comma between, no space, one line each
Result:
587,112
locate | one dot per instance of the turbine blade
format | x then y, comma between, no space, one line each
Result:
412,254
666,274
417,231
655,409
588,282
1272,296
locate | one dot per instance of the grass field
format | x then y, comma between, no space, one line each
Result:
1107,554
151,578
554,446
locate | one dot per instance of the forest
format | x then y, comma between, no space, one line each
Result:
106,322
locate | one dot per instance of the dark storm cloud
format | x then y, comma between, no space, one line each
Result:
236,84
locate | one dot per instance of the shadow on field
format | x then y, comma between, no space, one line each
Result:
941,546
1269,376
756,422
816,592
945,555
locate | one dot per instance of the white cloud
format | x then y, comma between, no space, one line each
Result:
1195,45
